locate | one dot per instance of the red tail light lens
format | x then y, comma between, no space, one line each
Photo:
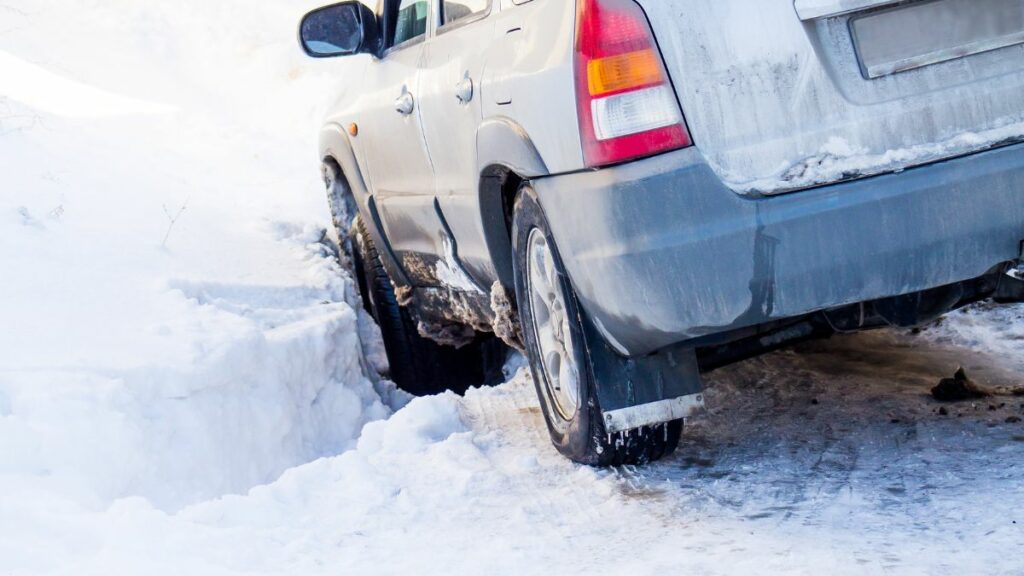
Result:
627,107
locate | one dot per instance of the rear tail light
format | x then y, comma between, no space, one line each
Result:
627,107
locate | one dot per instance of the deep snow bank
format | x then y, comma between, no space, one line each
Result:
173,328
804,463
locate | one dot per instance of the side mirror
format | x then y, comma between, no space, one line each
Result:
339,30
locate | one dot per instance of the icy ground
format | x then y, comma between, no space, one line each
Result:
182,389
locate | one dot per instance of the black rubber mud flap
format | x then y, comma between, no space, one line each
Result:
1010,289
624,383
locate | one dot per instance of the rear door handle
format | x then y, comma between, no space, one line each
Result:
464,90
405,104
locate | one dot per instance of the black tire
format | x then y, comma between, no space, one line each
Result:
418,365
582,437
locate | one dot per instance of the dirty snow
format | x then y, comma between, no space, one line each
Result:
450,273
183,390
838,160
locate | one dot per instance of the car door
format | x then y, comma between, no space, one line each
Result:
452,69
391,134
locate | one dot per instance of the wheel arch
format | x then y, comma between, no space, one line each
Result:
336,152
506,158
336,149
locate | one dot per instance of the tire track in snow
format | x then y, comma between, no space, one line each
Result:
513,416
835,441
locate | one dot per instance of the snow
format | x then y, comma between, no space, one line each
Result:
450,273
199,396
810,9
25,82
176,325
839,160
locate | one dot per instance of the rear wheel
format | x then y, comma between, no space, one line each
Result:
559,355
418,365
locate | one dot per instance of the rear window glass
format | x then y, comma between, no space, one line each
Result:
455,10
411,20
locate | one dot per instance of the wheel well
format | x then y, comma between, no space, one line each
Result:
332,171
498,187
340,198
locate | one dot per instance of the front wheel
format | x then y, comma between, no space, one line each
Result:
560,357
418,365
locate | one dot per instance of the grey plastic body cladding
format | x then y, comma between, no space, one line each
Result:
660,251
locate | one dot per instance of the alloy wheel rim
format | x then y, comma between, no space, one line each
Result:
551,325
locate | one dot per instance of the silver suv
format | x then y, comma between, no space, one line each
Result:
636,192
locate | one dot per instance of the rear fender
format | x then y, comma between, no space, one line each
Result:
500,141
504,151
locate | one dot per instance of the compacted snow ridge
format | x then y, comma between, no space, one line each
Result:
188,384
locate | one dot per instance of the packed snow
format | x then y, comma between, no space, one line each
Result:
188,386
839,160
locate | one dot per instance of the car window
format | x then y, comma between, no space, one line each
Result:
455,10
410,21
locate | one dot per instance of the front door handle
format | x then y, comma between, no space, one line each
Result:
405,104
464,90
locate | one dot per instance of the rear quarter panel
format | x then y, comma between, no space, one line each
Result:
530,80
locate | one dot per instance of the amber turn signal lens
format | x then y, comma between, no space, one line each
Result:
624,72
353,129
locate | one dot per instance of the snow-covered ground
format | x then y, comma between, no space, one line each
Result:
183,390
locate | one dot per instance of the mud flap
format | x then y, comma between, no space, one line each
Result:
1011,285
643,391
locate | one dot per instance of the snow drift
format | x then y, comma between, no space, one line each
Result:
175,325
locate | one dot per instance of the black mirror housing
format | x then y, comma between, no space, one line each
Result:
340,29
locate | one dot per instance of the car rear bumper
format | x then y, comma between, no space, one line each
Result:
660,251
